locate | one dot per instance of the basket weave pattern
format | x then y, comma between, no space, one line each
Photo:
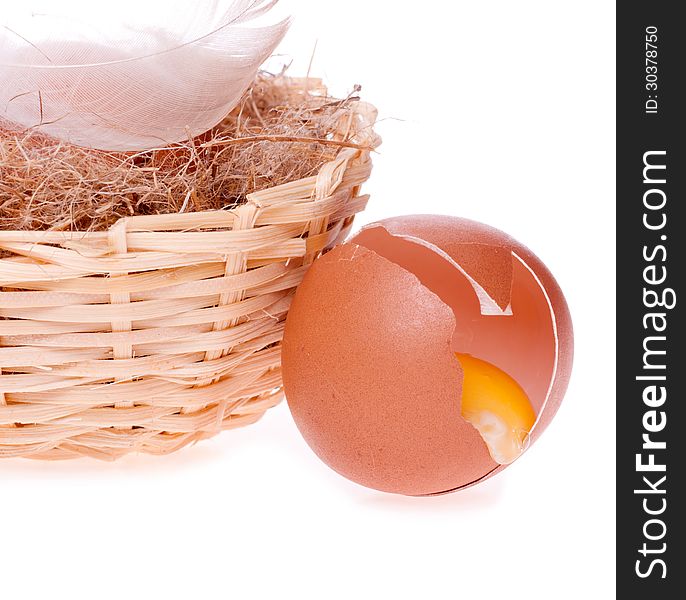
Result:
165,329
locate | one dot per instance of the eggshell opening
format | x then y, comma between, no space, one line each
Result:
524,328
450,235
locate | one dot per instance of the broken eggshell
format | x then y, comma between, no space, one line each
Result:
369,364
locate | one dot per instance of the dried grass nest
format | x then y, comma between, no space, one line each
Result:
281,131
143,296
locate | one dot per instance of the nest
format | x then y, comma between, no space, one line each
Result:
142,296
283,130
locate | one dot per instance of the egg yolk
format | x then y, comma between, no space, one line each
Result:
497,406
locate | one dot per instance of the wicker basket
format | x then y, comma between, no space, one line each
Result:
165,329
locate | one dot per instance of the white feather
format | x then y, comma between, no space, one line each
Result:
133,75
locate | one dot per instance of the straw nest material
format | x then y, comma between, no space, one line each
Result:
142,297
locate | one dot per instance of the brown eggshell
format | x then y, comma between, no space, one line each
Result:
371,379
368,356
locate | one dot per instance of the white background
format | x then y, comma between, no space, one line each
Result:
498,111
